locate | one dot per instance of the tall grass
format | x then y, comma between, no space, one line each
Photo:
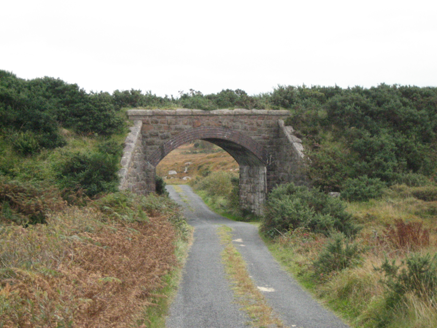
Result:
220,191
384,288
97,265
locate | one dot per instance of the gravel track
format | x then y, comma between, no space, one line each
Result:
204,298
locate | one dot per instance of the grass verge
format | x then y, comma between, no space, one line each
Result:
161,300
246,293
218,208
385,287
99,265
184,198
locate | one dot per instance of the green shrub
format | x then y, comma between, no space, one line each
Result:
94,114
362,189
216,184
160,186
329,166
111,147
338,254
289,207
195,100
51,140
426,193
92,172
411,179
25,143
222,190
418,275
30,143
122,205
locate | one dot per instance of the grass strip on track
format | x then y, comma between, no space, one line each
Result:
246,293
184,198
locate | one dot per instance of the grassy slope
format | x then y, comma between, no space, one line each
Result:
112,263
358,294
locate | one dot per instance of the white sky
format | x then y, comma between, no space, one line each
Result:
167,46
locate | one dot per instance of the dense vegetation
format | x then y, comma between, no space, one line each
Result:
74,251
371,254
59,153
291,207
355,138
385,134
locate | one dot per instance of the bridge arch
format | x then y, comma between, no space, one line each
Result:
242,148
249,154
266,150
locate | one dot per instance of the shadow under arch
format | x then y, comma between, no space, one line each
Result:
249,154
242,148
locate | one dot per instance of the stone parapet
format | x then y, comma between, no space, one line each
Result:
130,173
138,114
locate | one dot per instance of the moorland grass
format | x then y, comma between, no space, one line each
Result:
394,228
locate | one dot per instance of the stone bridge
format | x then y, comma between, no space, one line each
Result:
266,150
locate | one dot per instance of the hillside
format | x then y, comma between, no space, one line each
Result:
74,251
190,162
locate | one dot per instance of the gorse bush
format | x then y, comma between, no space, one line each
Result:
222,190
42,105
110,147
30,143
384,132
416,274
93,172
160,186
338,254
25,143
412,179
95,114
426,193
362,189
215,184
289,207
328,167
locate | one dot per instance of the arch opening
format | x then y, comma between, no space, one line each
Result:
250,156
195,160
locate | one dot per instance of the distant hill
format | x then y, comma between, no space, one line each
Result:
190,161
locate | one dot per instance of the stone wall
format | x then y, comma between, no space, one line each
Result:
133,173
253,188
290,159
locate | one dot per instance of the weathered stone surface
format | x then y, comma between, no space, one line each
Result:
267,151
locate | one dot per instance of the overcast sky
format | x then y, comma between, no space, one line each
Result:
168,46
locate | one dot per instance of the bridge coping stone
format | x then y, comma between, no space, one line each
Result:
131,143
295,141
136,114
